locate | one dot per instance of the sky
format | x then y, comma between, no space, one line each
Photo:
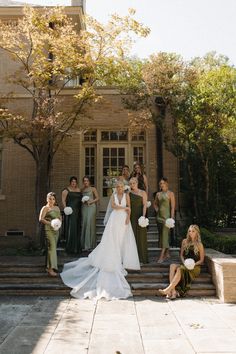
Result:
187,27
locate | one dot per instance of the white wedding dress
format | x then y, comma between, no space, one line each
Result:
102,273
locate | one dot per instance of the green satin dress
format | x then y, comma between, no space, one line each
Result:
140,233
52,238
163,213
73,222
88,233
187,276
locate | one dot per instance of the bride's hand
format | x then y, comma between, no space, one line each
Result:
127,220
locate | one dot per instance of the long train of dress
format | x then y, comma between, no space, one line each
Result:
102,273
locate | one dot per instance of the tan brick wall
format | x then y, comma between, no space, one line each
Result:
17,209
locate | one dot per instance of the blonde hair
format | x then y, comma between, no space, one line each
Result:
134,179
119,183
196,242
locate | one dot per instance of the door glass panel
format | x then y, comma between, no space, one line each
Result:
111,170
138,154
89,163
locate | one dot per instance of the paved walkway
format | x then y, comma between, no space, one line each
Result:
134,326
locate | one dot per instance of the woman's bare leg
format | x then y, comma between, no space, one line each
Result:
171,287
162,256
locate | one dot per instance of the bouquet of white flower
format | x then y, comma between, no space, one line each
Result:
68,210
127,188
170,223
85,199
56,224
189,263
143,222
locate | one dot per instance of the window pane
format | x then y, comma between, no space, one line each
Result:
139,136
90,168
113,152
138,154
90,135
114,135
105,136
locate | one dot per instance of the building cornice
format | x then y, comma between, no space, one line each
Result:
68,92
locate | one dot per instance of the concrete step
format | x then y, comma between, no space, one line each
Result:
60,290
191,292
163,277
39,278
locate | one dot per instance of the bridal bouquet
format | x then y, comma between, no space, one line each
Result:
189,263
170,223
85,199
68,210
127,188
149,204
56,224
143,222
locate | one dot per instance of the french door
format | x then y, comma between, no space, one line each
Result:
112,159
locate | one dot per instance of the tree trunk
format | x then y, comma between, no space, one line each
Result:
191,179
207,179
42,187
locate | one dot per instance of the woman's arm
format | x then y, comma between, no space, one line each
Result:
145,183
156,202
202,254
58,209
182,250
144,195
63,197
172,205
42,215
127,208
96,199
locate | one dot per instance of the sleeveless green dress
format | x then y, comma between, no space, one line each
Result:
73,222
88,233
52,238
140,233
163,213
187,276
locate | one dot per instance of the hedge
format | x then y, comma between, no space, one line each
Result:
221,243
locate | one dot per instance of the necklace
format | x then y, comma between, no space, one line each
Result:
119,197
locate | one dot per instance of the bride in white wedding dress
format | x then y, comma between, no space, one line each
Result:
102,273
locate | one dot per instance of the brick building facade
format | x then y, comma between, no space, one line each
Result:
99,149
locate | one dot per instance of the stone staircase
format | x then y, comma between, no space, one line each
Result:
27,276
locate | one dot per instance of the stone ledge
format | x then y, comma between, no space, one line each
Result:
223,270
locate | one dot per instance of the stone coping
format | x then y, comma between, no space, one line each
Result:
223,270
219,257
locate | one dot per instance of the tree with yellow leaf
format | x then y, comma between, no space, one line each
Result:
49,53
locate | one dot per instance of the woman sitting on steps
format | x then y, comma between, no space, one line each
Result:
180,276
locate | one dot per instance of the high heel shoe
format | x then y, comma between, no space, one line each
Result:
159,261
164,293
51,273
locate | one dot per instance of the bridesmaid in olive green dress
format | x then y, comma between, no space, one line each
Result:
71,197
88,233
138,204
49,212
164,205
180,276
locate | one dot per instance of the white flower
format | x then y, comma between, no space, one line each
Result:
170,223
68,210
56,224
149,204
85,199
143,222
127,188
189,263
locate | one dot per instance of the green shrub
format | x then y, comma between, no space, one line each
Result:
221,243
